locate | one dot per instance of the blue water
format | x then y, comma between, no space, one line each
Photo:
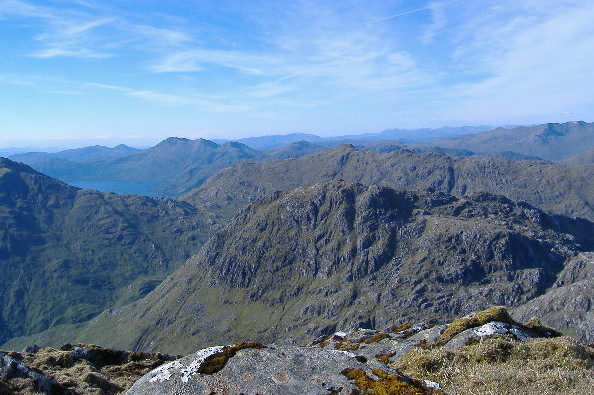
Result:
145,188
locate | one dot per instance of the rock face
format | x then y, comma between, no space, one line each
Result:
569,303
338,255
66,253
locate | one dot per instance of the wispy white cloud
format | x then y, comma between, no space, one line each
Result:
534,63
310,45
208,103
437,59
438,21
15,80
430,7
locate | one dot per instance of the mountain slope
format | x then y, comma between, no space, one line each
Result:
343,255
555,188
551,141
66,253
584,157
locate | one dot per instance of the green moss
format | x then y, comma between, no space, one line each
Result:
401,328
217,361
376,338
387,384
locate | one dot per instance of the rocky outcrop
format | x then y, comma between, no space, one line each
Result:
279,370
354,361
349,362
74,369
569,303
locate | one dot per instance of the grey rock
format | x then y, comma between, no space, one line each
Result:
32,349
568,304
10,368
488,330
287,370
378,345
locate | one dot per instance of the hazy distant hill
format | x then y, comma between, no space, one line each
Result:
298,264
408,136
177,165
66,254
293,150
75,155
423,135
551,141
275,141
556,188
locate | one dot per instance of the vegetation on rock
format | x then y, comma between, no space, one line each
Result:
75,369
503,366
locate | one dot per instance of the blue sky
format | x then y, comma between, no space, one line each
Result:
78,72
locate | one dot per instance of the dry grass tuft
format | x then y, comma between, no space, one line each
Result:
504,366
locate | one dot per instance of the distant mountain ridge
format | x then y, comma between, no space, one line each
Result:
409,136
555,188
551,141
166,168
76,155
177,165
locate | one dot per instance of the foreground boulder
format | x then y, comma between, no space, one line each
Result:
251,368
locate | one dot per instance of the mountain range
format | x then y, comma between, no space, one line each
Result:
176,165
553,187
551,141
298,240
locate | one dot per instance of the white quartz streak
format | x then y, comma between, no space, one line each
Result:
165,372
